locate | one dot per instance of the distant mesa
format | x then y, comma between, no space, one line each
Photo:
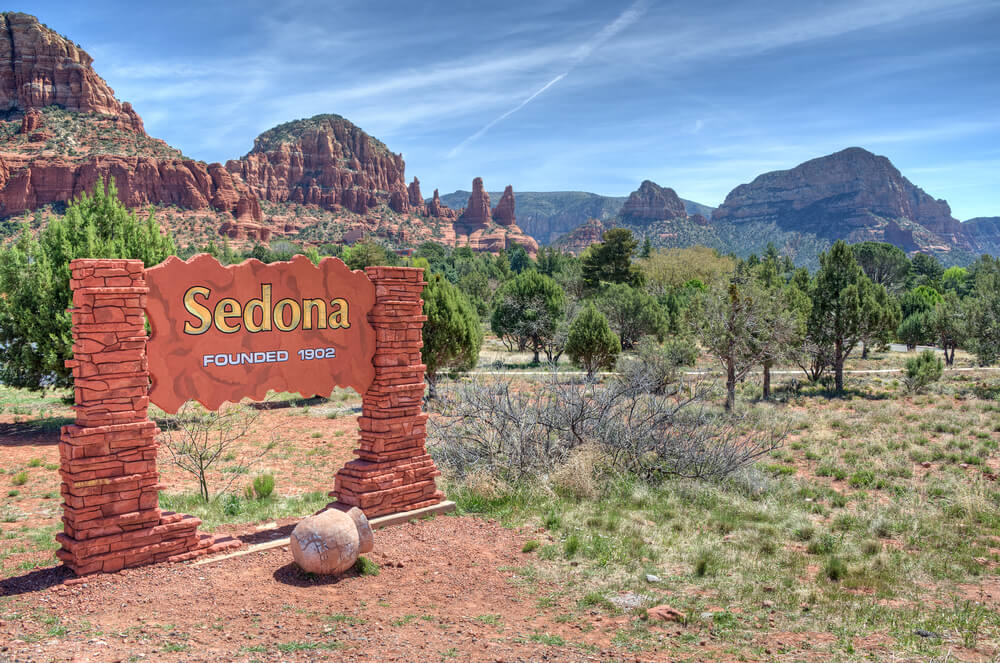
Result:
851,194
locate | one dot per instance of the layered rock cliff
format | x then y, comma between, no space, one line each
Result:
45,76
326,161
503,213
39,68
852,194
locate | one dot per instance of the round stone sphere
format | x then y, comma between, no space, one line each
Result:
329,542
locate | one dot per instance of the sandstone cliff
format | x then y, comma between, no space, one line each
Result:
326,161
477,228
45,76
40,68
503,213
477,211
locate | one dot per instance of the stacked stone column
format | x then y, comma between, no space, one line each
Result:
393,471
110,484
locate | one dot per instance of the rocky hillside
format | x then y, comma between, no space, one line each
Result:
320,179
63,129
658,213
985,233
326,161
852,194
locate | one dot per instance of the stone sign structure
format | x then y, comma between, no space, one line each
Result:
253,327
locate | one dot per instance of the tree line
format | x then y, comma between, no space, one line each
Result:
664,305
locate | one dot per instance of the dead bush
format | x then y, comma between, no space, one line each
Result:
513,432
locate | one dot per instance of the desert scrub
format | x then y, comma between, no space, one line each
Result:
512,432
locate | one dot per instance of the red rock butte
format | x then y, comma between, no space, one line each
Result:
324,162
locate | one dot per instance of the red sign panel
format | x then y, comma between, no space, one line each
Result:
224,333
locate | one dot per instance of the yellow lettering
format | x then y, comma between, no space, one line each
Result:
279,314
264,304
338,314
197,310
227,309
310,305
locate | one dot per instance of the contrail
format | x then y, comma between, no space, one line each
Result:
625,19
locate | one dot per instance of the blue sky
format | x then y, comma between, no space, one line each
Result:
560,95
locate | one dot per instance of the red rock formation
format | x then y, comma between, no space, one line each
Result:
399,202
141,181
241,231
31,121
834,196
439,210
477,211
416,200
652,202
503,213
578,239
38,68
326,161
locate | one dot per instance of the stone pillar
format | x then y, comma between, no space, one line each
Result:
393,471
110,484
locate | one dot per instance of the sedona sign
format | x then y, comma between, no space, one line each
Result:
223,333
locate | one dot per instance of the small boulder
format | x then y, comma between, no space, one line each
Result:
665,613
329,542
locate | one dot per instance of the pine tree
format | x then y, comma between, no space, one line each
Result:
847,308
591,343
452,335
35,339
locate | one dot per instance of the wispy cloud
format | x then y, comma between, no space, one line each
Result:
582,52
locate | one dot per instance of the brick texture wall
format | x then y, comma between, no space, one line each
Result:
110,484
393,471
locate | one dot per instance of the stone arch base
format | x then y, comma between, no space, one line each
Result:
110,485
393,471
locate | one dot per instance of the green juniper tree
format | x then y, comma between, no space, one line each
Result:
591,343
610,260
35,339
452,335
847,308
527,310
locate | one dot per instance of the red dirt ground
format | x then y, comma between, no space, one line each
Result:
448,588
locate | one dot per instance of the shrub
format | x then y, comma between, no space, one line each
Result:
495,426
197,439
20,478
365,566
922,370
656,364
35,339
263,486
591,343
835,569
451,335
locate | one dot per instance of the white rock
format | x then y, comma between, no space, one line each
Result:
329,542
